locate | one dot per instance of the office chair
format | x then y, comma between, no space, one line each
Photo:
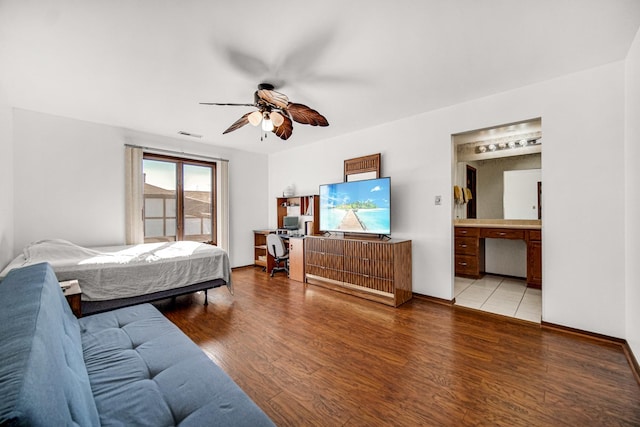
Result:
279,251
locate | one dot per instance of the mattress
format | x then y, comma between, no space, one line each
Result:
113,272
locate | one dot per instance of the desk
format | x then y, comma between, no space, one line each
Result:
469,245
296,253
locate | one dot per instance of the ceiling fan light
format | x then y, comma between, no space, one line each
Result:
267,124
255,118
276,118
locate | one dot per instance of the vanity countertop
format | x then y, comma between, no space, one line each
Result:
530,224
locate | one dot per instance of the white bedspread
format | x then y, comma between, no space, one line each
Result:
124,271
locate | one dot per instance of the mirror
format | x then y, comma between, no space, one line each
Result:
502,168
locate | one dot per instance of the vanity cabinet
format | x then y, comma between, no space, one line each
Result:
469,248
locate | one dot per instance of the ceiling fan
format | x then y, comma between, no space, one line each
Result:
275,113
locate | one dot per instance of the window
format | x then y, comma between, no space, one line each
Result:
179,199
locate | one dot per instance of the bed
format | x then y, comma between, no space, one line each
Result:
119,276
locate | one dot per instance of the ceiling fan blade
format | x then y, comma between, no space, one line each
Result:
272,97
305,115
220,103
285,130
238,123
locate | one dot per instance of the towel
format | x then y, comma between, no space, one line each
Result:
457,194
467,194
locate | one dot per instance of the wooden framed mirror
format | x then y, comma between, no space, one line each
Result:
365,167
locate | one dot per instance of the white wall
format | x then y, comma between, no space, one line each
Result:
632,192
6,182
583,232
69,182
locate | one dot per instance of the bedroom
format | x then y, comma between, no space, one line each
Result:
589,151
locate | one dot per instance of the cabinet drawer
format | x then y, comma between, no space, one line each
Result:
466,265
322,259
320,244
327,273
466,246
502,233
368,250
467,231
369,267
535,235
373,283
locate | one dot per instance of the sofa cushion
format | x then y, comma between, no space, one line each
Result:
43,379
145,371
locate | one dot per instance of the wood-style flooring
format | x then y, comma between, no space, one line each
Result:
311,356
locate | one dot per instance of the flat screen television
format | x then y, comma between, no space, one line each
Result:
356,207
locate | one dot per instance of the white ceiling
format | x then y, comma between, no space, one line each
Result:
146,64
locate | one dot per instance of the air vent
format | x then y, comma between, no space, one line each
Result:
192,135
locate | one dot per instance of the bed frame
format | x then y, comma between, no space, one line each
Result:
93,307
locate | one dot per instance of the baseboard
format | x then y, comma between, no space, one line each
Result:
242,267
628,353
434,299
633,362
582,333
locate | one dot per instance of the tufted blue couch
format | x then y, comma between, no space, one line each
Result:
126,367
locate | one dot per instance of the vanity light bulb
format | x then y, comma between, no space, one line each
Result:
482,149
523,142
492,147
502,145
512,144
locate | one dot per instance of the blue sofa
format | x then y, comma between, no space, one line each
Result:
126,367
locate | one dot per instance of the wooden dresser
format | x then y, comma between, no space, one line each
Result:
376,270
469,249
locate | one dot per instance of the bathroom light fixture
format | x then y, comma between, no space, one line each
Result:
504,144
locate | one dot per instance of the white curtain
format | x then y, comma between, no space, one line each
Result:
223,205
134,227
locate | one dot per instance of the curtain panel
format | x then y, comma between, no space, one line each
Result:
134,227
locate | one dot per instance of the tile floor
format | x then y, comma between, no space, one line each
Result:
500,295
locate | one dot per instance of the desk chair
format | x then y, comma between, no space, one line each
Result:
279,251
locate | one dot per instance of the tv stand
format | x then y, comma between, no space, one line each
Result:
372,269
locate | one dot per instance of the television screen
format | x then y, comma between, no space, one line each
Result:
356,207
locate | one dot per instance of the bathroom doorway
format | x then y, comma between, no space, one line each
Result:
493,271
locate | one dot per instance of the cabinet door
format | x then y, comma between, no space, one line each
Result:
534,264
296,259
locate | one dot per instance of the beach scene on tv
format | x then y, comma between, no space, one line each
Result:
358,207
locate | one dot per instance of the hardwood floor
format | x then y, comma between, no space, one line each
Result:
311,356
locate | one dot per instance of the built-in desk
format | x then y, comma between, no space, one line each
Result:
469,245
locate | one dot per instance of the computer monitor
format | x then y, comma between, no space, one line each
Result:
290,222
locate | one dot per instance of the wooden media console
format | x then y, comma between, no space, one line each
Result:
376,270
